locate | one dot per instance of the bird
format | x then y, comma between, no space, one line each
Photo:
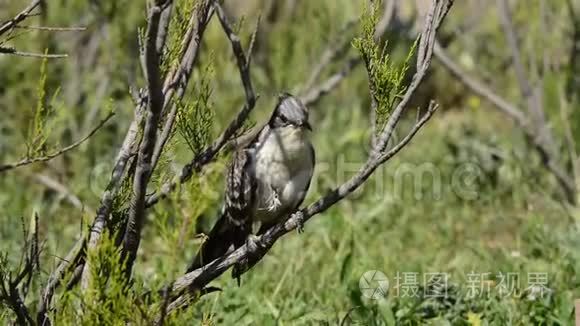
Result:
266,181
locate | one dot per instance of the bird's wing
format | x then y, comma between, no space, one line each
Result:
240,188
313,155
240,269
235,223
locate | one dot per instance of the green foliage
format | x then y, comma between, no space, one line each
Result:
195,117
109,300
386,78
39,131
182,10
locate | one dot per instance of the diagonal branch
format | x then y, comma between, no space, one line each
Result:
325,87
424,56
12,23
115,182
13,51
164,20
143,170
529,94
63,190
10,166
478,87
332,51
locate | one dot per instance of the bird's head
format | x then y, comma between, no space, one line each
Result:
290,111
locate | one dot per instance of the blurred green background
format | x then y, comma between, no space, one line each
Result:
468,197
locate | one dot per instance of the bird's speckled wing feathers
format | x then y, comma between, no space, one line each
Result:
235,223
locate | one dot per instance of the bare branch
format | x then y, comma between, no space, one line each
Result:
52,28
143,171
164,21
53,184
20,17
241,58
333,50
13,51
316,93
530,94
10,166
478,87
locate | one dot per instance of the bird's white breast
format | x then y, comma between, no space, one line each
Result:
283,169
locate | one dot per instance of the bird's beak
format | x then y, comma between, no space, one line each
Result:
306,125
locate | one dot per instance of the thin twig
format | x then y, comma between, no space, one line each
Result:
53,184
478,87
530,94
10,166
52,28
316,93
20,17
333,50
13,51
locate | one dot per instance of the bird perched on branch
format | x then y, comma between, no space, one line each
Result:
267,180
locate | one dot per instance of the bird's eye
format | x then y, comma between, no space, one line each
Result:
283,118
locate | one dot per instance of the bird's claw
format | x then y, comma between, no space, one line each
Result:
253,244
297,222
300,227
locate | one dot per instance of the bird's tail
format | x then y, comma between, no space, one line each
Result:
223,236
